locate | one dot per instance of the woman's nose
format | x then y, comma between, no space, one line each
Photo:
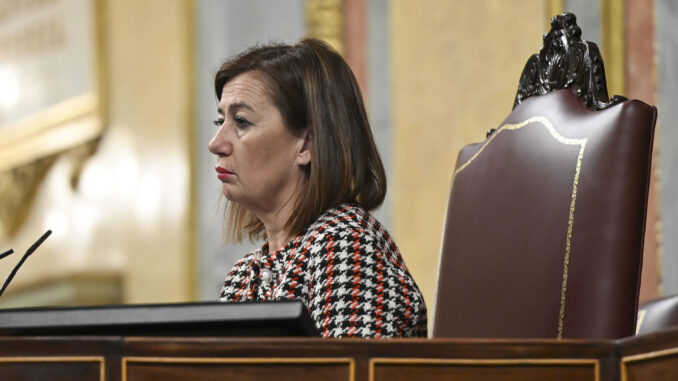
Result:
220,144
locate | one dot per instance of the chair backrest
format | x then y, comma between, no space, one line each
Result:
543,236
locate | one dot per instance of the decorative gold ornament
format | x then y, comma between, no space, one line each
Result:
19,185
325,21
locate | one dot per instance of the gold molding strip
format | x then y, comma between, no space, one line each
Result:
59,127
561,139
57,114
101,62
491,362
99,359
240,360
193,269
553,8
643,357
612,35
325,21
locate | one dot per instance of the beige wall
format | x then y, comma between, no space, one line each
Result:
129,218
151,95
455,70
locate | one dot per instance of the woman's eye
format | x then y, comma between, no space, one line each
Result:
242,122
218,122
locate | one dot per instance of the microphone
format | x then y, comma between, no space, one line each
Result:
6,253
23,259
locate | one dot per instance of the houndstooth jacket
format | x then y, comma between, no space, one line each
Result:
346,269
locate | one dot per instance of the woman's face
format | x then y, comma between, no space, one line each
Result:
259,160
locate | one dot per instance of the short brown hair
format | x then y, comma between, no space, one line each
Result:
314,88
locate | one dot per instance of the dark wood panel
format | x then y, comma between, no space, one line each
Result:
649,357
656,366
46,369
479,370
364,350
53,347
214,369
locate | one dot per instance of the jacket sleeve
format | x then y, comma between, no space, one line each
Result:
358,290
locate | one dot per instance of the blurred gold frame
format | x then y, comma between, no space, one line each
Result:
29,146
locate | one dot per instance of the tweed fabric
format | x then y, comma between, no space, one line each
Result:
346,269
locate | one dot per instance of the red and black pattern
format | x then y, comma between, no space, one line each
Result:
347,270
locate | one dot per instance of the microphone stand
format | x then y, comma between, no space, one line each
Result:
23,259
6,253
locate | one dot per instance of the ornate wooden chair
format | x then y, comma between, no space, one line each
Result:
544,230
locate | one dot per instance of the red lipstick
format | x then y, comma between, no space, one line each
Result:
223,173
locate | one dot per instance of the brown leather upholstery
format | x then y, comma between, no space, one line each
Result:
544,229
657,315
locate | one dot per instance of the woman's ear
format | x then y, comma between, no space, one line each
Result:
304,152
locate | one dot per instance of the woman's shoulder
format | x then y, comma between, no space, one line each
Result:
346,220
345,217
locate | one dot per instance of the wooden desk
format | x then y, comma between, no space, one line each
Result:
651,357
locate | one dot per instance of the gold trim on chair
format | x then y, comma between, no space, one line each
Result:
561,139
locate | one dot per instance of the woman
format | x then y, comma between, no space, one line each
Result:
299,168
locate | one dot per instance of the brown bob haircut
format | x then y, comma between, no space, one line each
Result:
314,89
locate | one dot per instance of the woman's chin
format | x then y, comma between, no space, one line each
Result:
233,197
228,193
229,197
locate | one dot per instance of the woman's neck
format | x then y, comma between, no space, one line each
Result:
275,224
277,240
276,212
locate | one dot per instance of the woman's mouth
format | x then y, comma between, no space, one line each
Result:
223,173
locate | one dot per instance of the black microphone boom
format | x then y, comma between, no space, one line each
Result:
6,253
23,259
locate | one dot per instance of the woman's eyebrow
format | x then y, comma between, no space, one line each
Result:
234,107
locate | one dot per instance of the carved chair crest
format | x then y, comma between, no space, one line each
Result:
566,62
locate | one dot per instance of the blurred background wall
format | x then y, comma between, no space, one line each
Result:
118,168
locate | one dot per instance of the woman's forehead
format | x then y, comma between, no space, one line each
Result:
247,88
